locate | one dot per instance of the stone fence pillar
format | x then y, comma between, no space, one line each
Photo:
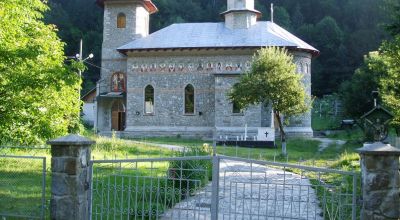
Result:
380,181
70,156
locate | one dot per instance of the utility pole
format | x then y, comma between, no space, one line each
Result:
272,12
80,60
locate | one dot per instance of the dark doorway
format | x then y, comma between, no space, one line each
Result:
118,116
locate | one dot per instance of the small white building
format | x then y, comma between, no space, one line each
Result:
88,113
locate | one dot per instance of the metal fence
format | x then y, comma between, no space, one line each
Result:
219,187
156,188
22,187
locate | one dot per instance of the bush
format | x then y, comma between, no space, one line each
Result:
190,175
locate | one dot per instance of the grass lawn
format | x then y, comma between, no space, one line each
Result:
300,150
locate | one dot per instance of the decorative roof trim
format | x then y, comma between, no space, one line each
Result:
148,4
314,53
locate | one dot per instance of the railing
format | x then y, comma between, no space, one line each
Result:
22,187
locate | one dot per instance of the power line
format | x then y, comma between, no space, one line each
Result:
94,65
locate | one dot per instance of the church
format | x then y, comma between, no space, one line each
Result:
174,82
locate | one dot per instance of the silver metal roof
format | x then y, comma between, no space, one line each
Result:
216,35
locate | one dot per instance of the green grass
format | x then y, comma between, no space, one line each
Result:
188,142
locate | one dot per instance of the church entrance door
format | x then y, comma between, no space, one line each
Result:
118,116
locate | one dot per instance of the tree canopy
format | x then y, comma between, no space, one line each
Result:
272,81
380,71
356,93
38,91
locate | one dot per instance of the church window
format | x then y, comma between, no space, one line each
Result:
121,20
236,108
149,100
118,82
307,68
189,99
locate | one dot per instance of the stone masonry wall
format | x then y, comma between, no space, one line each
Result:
380,181
382,185
301,125
212,74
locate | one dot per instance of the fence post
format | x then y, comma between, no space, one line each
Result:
70,156
215,184
380,181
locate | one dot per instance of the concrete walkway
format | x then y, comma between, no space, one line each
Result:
251,191
166,146
325,142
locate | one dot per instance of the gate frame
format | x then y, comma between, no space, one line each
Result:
43,206
216,160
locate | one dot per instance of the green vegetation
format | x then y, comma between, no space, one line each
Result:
38,91
378,72
325,113
187,142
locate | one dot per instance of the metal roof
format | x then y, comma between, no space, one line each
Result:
216,35
148,4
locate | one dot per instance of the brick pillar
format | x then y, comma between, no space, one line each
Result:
70,157
380,181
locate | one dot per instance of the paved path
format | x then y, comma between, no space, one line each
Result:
325,142
251,191
166,146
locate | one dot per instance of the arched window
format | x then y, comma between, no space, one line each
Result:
121,20
307,68
235,107
118,82
189,99
149,100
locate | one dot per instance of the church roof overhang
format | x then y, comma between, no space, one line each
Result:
258,13
148,4
206,36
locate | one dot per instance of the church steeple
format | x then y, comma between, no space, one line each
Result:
240,14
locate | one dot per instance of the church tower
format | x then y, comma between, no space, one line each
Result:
240,14
123,22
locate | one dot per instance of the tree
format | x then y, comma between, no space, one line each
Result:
356,93
394,27
272,81
38,91
389,82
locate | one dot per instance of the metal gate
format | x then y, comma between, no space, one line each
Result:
22,187
219,187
